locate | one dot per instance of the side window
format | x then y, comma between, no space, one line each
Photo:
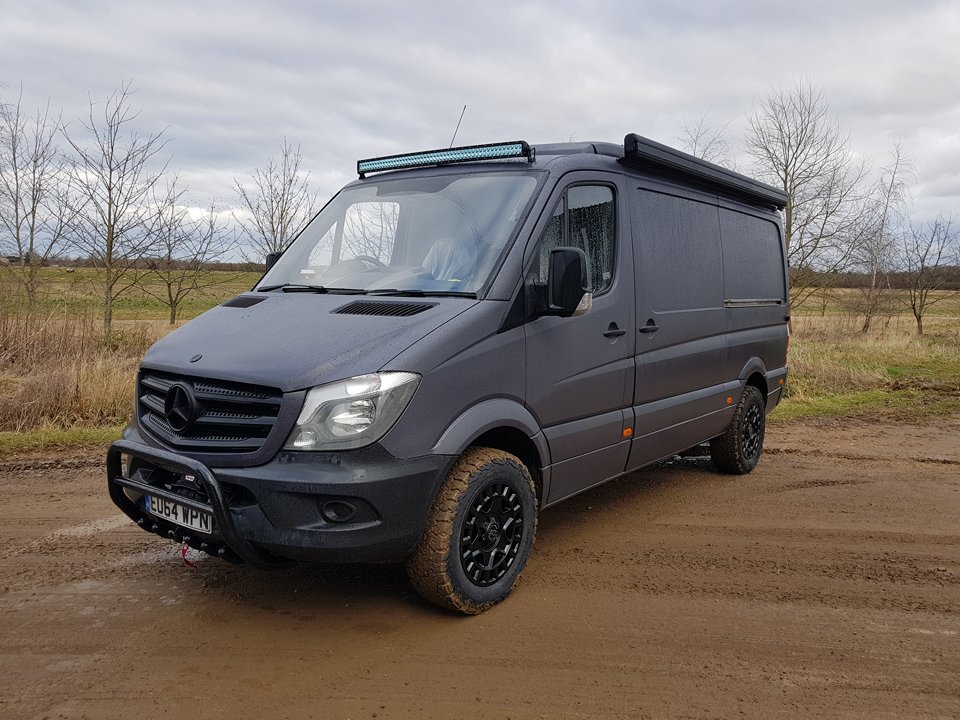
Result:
584,218
752,257
679,258
552,238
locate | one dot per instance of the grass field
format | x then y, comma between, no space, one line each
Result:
835,369
72,292
64,382
844,301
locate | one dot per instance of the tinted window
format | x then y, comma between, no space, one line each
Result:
752,257
584,218
680,259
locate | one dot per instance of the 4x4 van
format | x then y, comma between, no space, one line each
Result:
458,340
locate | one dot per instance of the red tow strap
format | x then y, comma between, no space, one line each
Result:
183,554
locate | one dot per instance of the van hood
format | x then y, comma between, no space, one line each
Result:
293,341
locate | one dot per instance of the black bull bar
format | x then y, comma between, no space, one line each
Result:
224,526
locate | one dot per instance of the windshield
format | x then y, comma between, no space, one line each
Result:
418,234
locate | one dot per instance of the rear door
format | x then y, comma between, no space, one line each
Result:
579,370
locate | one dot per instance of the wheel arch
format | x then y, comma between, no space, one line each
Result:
755,373
513,441
501,424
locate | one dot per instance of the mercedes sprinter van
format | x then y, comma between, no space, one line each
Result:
458,340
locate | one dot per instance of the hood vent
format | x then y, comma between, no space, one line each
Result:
243,301
389,309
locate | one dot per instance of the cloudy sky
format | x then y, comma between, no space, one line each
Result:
228,80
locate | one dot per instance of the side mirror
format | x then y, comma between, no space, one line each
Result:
272,258
567,293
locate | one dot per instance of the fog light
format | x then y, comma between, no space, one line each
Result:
338,511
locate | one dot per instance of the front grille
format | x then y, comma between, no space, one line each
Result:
220,416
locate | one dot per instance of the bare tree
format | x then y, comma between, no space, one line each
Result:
797,147
277,202
706,141
183,251
924,253
115,174
34,191
875,254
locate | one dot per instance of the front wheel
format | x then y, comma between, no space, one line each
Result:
737,451
479,534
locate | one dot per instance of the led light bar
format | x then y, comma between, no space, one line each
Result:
495,151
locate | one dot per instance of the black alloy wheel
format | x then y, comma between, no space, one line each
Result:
479,534
751,436
738,450
492,530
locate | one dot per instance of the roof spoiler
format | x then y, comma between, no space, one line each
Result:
645,154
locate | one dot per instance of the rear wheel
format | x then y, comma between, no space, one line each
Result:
738,450
479,534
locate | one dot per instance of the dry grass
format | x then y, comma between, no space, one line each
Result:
60,375
64,371
837,369
59,370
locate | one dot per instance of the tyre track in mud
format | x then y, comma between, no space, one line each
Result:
825,584
867,458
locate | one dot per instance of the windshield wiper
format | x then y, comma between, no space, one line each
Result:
322,290
294,287
424,293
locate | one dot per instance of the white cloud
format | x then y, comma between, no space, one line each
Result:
230,79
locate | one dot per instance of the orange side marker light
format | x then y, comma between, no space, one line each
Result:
730,400
627,432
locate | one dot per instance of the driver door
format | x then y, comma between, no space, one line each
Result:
579,370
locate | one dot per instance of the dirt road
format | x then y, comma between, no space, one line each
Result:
825,584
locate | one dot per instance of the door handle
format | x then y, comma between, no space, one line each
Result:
650,328
614,331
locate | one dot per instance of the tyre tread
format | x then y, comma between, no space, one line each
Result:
427,567
725,450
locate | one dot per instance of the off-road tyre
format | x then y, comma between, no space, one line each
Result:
448,565
738,450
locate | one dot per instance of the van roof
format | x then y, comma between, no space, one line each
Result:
637,152
662,160
575,148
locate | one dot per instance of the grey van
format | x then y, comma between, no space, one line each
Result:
458,340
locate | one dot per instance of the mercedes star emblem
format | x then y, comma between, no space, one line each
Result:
180,407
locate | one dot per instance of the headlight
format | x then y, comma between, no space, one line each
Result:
352,413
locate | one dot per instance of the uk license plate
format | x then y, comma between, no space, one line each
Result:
179,514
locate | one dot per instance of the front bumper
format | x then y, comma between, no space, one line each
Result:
358,506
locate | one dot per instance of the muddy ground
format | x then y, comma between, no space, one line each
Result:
825,584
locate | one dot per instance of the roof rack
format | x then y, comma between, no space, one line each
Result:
645,154
468,153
